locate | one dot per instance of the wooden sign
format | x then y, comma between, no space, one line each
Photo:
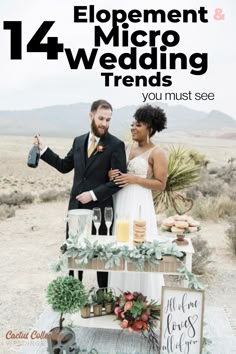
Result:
181,321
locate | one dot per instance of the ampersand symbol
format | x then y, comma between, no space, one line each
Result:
219,14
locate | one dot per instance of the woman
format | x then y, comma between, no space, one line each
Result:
146,171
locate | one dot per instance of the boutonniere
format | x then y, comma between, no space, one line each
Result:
99,148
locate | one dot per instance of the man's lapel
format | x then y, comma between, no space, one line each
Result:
92,158
82,150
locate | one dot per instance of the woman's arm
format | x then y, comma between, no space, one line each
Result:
159,163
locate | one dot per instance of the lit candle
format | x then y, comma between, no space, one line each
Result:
122,230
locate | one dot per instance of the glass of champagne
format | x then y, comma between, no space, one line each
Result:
108,214
97,218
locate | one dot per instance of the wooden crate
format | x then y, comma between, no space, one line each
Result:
94,264
168,264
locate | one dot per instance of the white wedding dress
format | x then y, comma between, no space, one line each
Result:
127,203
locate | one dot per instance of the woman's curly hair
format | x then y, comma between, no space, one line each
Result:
153,117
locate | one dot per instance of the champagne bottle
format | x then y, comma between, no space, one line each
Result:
33,158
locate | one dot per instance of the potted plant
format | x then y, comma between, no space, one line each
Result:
65,295
86,309
98,300
109,299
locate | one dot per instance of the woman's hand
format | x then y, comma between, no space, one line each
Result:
124,179
112,174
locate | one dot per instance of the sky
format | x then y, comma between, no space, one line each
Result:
34,81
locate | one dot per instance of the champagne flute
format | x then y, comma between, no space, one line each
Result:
97,218
108,214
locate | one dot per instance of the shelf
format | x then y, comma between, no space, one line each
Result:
105,321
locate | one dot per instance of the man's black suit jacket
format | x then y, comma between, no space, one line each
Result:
91,173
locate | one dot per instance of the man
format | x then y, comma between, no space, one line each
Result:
92,155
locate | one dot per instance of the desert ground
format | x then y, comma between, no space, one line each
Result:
30,240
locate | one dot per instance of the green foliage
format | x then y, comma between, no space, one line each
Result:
205,343
137,308
193,283
88,297
151,253
66,295
98,297
109,297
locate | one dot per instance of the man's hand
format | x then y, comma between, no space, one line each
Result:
37,140
84,197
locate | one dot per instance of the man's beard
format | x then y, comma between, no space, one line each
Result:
96,131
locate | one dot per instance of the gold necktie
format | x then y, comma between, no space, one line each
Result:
92,145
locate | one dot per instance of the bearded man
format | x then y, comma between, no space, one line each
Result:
92,155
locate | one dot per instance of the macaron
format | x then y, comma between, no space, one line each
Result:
169,222
165,227
181,217
181,224
192,228
177,229
194,223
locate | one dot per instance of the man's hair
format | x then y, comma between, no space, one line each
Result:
100,104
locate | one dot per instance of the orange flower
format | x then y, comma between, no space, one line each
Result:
139,326
128,305
124,324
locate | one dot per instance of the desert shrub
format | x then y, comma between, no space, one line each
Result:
48,196
214,208
193,193
227,173
201,257
208,186
232,192
65,193
6,211
212,188
53,195
231,234
232,182
16,198
213,171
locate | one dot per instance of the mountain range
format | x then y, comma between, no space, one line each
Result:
71,120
